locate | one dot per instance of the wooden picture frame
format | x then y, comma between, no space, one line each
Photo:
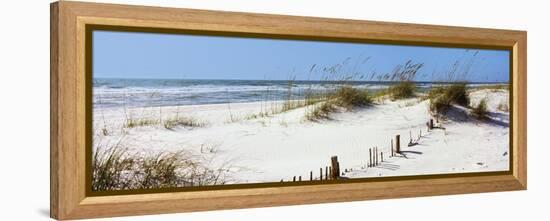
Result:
69,198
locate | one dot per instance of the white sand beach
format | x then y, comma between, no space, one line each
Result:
284,145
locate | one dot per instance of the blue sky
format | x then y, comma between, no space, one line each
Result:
166,56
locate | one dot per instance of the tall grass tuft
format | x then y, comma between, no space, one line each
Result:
289,103
401,90
161,170
321,111
345,97
109,166
442,97
503,106
480,110
192,122
118,168
350,97
404,76
140,122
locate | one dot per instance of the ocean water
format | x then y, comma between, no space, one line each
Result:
113,93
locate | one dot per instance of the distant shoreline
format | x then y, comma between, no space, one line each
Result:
109,93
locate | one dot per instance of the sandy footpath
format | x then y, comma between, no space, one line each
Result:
267,149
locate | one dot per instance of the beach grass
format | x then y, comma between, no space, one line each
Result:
183,121
321,111
401,90
480,110
442,97
346,97
161,169
140,122
109,164
350,97
403,77
115,167
289,103
503,106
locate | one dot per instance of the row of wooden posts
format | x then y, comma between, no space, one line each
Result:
375,158
329,173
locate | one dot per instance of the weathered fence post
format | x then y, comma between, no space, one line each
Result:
294,179
329,172
310,175
326,173
391,147
300,178
374,156
378,158
370,157
320,173
397,144
377,162
335,173
431,124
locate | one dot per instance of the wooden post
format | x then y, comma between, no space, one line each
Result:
391,148
326,173
294,179
310,175
321,173
335,173
377,160
300,178
397,144
431,124
375,156
370,157
330,172
382,156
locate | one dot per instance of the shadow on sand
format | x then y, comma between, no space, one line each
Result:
411,152
460,114
388,166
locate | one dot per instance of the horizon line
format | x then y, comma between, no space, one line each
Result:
366,81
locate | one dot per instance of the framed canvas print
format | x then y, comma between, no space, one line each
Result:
160,110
